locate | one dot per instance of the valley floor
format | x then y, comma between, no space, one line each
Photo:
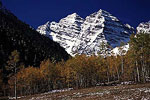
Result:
120,92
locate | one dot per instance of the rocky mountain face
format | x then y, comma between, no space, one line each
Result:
144,27
85,36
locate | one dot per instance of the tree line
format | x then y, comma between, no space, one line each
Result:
80,71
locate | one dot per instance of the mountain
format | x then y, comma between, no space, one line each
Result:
65,32
144,27
33,47
84,36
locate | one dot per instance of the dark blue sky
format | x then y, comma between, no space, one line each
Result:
37,12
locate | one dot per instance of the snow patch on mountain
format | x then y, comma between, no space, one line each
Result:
120,50
144,27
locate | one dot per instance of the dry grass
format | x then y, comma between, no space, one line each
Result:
122,92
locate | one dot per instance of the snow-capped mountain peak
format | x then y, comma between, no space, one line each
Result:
102,12
73,16
72,19
84,36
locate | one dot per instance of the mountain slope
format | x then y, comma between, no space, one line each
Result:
84,36
143,27
33,47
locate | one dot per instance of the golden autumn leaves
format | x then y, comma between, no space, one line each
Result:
84,71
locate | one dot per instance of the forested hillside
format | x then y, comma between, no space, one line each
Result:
33,47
